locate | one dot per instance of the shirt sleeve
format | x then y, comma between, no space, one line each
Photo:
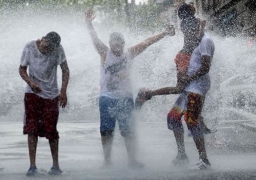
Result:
24,61
62,56
207,47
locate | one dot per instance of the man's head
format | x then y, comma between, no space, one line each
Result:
50,42
190,26
116,43
191,30
186,11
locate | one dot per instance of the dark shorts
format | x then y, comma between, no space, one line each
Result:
112,110
190,105
41,116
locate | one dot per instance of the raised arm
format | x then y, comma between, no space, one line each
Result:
64,85
139,48
98,44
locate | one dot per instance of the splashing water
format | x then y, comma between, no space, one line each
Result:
231,96
153,68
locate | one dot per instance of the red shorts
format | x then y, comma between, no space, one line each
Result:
41,116
194,108
188,104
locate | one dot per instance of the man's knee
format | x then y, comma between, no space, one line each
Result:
107,133
127,133
174,122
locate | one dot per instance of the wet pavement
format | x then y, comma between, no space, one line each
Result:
231,150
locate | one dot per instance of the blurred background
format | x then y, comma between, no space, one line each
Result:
230,23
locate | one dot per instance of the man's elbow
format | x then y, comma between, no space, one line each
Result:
66,73
22,70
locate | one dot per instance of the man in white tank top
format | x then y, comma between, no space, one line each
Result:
116,100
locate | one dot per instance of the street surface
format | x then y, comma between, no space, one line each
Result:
81,154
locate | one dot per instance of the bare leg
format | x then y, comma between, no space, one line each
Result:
179,136
181,158
131,150
54,145
199,141
130,146
205,129
107,146
32,145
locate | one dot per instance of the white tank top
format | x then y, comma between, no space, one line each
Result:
115,76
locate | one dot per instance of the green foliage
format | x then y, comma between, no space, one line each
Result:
146,17
141,17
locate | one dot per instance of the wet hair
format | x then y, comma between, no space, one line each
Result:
190,24
186,11
117,37
53,39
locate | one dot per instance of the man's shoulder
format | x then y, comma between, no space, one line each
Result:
207,38
207,41
60,49
30,45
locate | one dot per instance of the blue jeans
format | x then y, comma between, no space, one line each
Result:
112,110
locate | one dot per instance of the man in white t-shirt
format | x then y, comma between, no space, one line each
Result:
190,102
42,96
116,100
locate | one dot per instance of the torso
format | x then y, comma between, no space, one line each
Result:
43,69
115,76
201,85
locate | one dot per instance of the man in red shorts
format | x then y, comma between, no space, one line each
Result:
42,97
193,86
187,14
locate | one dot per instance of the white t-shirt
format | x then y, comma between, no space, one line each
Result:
43,69
115,76
200,86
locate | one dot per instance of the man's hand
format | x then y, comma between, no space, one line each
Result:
148,94
35,88
142,97
184,79
89,16
63,99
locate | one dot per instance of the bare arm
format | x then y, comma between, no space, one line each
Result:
98,44
23,73
148,94
181,84
168,90
139,48
65,79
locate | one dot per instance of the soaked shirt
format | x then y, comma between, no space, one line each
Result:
43,69
200,86
115,76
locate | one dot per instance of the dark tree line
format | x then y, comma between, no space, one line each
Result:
137,16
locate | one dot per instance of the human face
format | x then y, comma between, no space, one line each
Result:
45,47
117,47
